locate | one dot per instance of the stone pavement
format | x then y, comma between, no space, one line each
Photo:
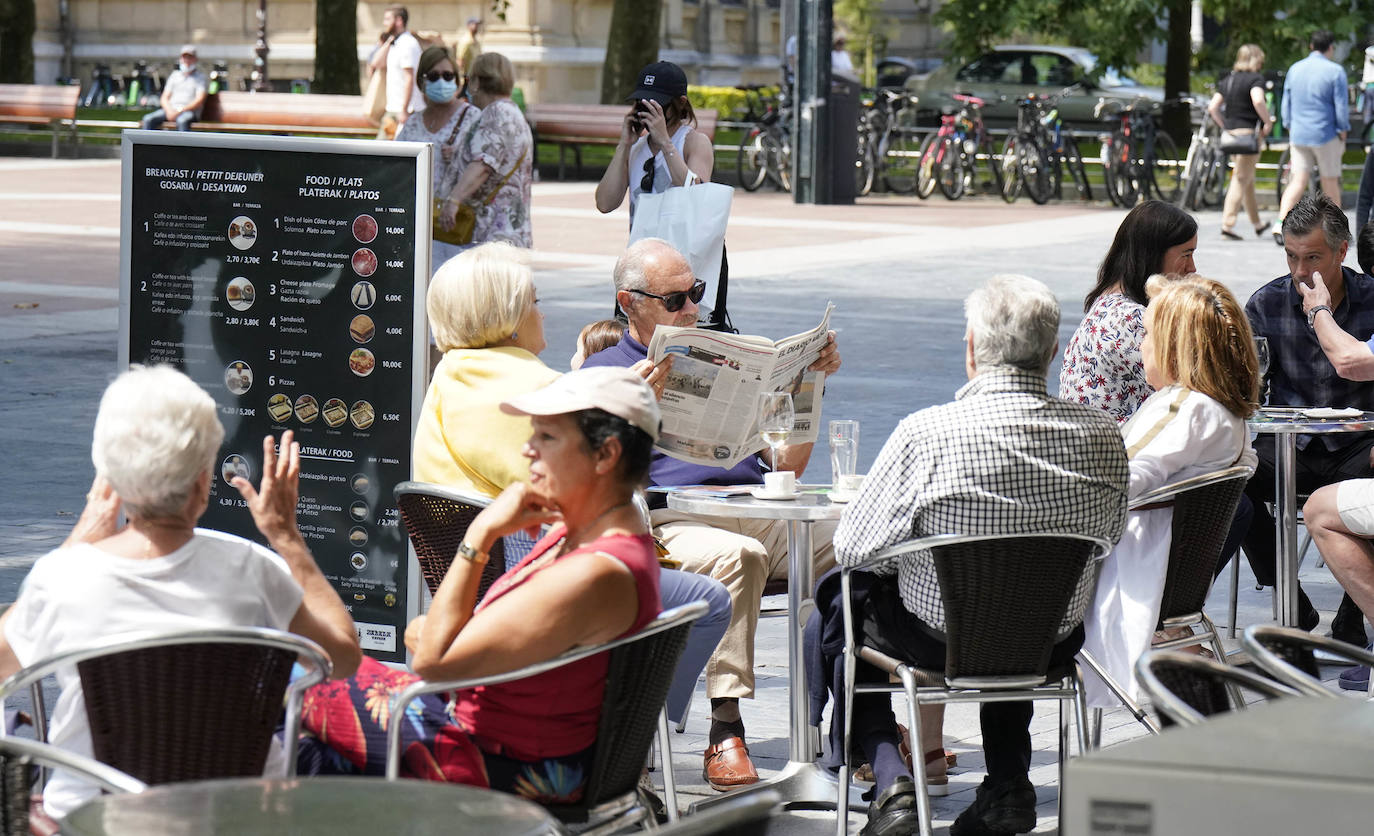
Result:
897,270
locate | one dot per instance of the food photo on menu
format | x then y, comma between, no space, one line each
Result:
243,233
279,407
239,294
238,377
235,465
335,412
365,229
362,328
364,262
361,362
364,295
307,409
361,415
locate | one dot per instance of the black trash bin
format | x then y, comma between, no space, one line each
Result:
843,110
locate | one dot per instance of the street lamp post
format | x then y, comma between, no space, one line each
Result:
260,82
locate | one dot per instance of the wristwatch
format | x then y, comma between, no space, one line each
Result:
471,555
1312,314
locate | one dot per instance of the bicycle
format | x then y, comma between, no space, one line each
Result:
1204,166
888,143
1138,159
949,156
1024,161
765,152
1038,121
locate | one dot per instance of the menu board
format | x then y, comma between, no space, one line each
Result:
287,277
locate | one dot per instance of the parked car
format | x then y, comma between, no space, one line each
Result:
1008,72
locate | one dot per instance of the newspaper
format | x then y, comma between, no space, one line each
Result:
710,399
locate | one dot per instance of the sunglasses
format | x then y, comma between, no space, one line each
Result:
647,185
435,75
673,302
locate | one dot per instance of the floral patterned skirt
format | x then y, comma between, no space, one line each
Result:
344,727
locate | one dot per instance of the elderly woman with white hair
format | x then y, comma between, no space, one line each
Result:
156,441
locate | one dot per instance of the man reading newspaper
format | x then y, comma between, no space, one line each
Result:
655,286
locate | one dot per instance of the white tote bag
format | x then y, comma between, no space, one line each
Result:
692,219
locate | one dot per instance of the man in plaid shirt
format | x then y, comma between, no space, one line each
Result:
1003,458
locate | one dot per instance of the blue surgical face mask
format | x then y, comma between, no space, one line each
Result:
441,92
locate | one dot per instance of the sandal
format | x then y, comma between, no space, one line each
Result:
1261,229
937,784
1234,236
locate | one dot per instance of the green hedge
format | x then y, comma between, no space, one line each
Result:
727,102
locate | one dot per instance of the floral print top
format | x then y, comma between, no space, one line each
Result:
502,140
1102,365
445,174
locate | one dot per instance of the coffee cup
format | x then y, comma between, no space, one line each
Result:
780,483
850,483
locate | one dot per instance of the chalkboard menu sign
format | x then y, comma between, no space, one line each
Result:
287,277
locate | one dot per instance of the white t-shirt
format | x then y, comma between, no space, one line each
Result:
75,596
404,55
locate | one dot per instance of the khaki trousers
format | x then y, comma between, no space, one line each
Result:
743,555
1241,190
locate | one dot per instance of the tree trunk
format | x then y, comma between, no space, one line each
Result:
18,20
1177,69
336,47
632,43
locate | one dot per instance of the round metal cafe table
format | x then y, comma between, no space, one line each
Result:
329,806
1286,424
800,783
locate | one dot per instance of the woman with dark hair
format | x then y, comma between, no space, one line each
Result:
445,123
659,146
1102,365
593,578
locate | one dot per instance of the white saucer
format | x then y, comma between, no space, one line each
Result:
762,493
842,496
1325,413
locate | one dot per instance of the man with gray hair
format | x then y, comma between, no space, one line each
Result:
655,286
1003,458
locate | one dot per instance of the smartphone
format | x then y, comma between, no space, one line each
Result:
640,110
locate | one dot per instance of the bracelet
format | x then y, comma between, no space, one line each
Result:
472,555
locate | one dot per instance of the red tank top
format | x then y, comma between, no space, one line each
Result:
556,713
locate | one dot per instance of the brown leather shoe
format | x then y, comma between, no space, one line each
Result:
728,766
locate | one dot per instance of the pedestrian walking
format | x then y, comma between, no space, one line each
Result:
1318,118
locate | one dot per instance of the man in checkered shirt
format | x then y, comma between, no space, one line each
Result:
1003,458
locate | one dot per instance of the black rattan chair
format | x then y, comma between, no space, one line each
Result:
1005,598
189,706
19,759
637,678
1203,508
1286,654
1187,688
436,519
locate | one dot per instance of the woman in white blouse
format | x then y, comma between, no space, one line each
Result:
1199,357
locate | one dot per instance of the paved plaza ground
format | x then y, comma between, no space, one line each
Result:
897,270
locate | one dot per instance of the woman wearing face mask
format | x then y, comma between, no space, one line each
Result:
446,122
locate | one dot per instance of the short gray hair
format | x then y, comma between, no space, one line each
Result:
1318,212
631,269
478,297
1014,322
155,434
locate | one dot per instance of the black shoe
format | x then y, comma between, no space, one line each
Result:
998,810
1278,238
1308,617
894,812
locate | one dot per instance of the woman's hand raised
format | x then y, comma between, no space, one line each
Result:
518,508
652,118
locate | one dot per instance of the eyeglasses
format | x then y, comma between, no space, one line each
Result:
673,302
647,184
435,75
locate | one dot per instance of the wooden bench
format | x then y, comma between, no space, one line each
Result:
44,105
268,113
572,126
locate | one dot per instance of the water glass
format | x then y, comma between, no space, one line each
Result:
844,449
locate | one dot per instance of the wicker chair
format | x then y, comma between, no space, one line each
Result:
1286,654
437,519
640,669
1187,688
1203,508
1005,597
18,759
189,706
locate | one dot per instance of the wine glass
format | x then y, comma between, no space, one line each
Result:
1262,352
776,419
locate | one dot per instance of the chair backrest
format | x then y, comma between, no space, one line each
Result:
189,706
1286,654
1006,598
18,757
1188,688
1203,509
436,519
639,672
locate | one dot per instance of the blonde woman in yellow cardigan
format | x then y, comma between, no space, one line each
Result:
486,321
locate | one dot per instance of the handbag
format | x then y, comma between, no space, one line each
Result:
692,219
460,234
374,98
1240,141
